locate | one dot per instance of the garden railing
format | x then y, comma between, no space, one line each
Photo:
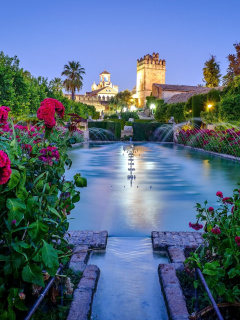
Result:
198,273
42,295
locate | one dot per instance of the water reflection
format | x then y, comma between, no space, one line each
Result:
169,181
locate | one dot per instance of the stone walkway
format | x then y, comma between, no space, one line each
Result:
84,242
174,243
163,240
95,240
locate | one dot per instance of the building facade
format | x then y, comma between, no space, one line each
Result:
150,69
101,93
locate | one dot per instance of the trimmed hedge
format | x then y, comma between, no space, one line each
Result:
145,131
114,127
144,120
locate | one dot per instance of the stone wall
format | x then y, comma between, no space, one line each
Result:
149,70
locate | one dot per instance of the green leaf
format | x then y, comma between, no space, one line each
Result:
54,211
80,181
33,274
52,199
22,193
50,257
39,177
14,179
17,208
36,229
220,288
76,198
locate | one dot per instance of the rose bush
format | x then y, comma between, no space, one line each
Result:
225,141
219,257
35,201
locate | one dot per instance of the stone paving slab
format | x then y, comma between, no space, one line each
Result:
83,295
95,240
174,297
161,240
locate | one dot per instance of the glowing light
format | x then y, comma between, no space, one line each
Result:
190,110
152,106
133,108
124,109
209,106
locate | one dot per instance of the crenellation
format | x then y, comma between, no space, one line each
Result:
150,69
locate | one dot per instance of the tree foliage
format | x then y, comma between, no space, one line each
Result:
23,93
211,72
234,65
73,72
121,100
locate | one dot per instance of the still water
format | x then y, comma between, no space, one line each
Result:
169,180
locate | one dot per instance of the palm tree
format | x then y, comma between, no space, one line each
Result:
73,71
56,84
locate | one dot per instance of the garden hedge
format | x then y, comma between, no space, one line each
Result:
145,131
114,127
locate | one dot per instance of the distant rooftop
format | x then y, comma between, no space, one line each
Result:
183,97
173,87
105,72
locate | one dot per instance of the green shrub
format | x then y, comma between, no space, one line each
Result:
213,96
129,114
198,105
114,127
160,113
128,123
144,120
145,131
176,110
229,109
121,121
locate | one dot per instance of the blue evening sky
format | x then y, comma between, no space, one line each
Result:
45,35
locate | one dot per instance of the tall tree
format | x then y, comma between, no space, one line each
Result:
121,100
73,71
211,72
56,84
234,65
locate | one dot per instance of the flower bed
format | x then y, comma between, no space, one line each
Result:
35,201
227,142
219,257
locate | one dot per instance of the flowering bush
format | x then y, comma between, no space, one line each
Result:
35,200
219,257
226,141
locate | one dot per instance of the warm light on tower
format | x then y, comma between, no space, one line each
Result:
209,106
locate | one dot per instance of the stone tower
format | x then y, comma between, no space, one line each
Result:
149,70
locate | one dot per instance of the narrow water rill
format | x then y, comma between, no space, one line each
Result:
128,287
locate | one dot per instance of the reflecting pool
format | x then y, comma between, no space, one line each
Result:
169,181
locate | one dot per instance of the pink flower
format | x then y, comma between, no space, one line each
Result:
4,114
210,209
27,147
216,230
237,240
5,170
219,194
195,226
47,110
48,154
14,222
227,200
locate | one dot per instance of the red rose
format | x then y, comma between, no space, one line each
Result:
219,194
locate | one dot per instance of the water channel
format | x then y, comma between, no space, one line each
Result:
169,181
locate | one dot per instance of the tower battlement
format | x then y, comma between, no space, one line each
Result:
150,69
151,59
